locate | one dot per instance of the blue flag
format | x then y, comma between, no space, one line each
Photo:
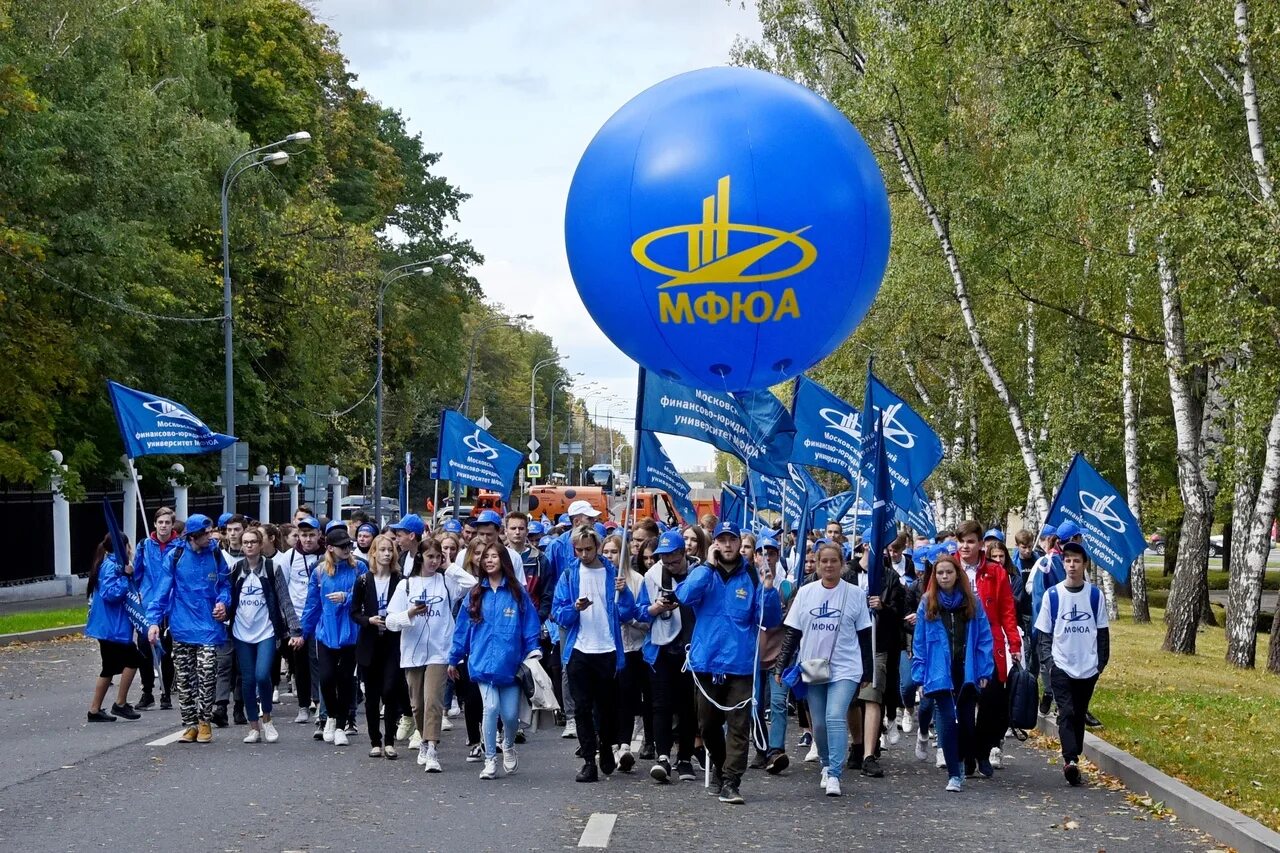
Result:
471,456
752,425
877,494
920,518
839,508
800,493
733,503
655,470
828,434
404,495
766,492
911,447
151,425
134,607
1112,535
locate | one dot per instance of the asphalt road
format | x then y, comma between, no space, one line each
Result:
71,786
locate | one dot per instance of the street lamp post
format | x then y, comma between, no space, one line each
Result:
402,271
275,158
609,426
585,419
532,390
595,426
560,385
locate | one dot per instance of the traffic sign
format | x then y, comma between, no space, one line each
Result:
533,470
435,468
533,456
533,444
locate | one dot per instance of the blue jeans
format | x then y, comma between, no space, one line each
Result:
955,719
924,716
906,685
772,696
255,661
499,699
829,711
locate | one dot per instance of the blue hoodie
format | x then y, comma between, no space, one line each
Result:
107,617
566,615
931,652
186,591
148,565
728,612
506,634
332,624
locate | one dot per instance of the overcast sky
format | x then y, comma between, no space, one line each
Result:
511,93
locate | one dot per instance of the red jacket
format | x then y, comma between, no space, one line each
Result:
996,595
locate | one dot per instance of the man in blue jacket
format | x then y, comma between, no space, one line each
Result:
731,603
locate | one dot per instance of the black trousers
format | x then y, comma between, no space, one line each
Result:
673,697
593,681
635,698
1072,697
728,754
300,669
148,668
337,675
993,716
382,679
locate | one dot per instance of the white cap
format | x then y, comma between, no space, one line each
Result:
582,508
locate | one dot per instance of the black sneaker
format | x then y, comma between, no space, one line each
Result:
647,751
806,739
660,772
521,738
717,782
758,762
1071,770
729,794
855,758
1045,701
351,729
871,767
238,714
475,754
146,703
626,761
985,768
607,762
319,732
1091,721
220,716
100,716
776,761
166,702
588,773
126,711
970,767
684,769
560,719
700,756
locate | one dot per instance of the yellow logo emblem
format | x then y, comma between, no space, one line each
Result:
740,592
710,262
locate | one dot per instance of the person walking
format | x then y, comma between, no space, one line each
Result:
327,618
498,632
148,563
952,660
193,593
261,615
108,623
378,650
299,564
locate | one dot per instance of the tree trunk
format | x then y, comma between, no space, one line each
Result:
961,287
1172,538
1249,93
1245,593
1132,469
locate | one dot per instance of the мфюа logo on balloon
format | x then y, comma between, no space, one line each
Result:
715,258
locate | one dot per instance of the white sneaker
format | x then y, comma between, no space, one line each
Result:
454,710
405,728
415,740
509,759
422,757
922,747
432,764
375,752
570,729
894,735
340,738
331,731
883,746
275,696
269,733
254,736
446,724
490,770
908,722
833,786
955,784
997,757
823,777
812,754
304,716
940,760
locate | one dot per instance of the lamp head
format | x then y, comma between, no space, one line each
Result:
275,158
300,136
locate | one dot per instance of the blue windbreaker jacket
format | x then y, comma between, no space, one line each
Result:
728,613
931,652
107,617
191,583
506,634
148,565
331,623
567,617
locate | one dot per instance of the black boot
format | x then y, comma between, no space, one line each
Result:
588,773
166,702
220,715
146,703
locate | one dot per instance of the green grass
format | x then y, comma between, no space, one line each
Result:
1218,579
1214,727
37,620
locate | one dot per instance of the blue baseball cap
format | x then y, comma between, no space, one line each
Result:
546,522
452,525
224,518
948,548
767,541
818,543
197,524
309,521
1048,531
536,529
332,524
411,523
563,520
670,542
1068,529
994,533
486,516
727,528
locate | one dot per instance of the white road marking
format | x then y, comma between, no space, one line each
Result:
167,739
599,828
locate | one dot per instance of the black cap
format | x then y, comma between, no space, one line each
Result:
1074,548
337,537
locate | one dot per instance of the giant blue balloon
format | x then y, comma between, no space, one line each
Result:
727,228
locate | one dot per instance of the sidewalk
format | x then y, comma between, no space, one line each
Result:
60,602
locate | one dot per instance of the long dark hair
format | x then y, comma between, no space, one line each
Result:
508,574
99,557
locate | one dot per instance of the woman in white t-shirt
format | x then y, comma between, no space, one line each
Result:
829,626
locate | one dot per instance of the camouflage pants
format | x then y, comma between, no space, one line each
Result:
196,670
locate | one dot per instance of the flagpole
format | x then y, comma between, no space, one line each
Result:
629,509
137,491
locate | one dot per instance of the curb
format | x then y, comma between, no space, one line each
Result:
1225,824
41,635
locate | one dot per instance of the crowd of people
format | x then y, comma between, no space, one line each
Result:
677,647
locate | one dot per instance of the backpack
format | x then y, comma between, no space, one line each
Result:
1095,601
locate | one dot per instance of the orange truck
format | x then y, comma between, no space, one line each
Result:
553,501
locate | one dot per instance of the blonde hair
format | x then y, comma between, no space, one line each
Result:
373,550
331,566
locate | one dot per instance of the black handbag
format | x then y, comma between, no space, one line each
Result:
1024,698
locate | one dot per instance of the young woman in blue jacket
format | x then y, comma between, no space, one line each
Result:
327,617
952,660
496,633
110,626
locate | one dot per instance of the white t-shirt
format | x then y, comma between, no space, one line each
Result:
382,585
1075,633
297,568
253,622
427,638
817,612
594,634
